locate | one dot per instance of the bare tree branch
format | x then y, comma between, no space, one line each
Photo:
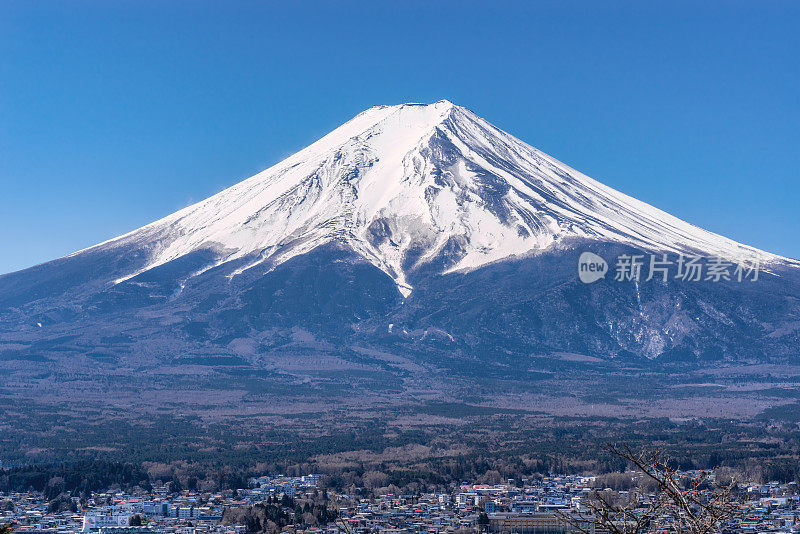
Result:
696,507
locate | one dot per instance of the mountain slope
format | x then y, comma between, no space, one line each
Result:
401,185
421,230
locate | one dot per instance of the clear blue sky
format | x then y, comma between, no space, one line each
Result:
113,114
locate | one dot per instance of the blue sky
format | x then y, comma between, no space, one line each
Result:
114,114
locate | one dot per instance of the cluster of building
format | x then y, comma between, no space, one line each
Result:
527,506
157,512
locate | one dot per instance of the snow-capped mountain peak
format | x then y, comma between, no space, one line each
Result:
404,185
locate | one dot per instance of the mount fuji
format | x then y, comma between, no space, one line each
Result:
411,237
402,186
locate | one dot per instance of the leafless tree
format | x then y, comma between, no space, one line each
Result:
688,506
7,529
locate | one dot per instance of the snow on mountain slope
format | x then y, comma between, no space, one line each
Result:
403,185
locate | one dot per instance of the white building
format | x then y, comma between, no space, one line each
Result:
94,521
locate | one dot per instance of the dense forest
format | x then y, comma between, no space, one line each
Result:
354,474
